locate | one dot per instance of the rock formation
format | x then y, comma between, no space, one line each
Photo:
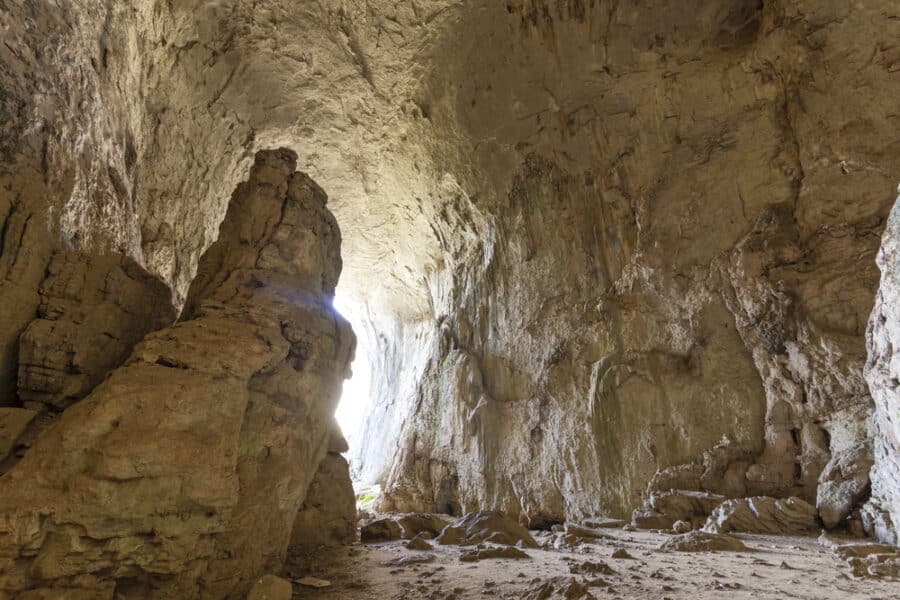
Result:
181,474
611,260
882,513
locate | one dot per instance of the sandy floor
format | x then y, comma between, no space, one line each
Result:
779,567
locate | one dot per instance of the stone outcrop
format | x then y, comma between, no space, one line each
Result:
704,541
486,526
882,514
763,514
181,474
328,514
93,310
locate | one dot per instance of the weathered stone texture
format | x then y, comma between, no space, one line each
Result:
882,514
93,310
181,474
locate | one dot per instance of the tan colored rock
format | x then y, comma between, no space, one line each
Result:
13,422
492,552
328,514
270,587
380,530
704,541
414,524
761,514
93,311
486,526
184,470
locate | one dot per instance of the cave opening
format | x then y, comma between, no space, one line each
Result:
356,400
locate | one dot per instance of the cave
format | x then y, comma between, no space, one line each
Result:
449,299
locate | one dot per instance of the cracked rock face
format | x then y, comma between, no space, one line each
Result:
882,514
597,243
181,474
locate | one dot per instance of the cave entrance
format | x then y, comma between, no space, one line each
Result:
356,396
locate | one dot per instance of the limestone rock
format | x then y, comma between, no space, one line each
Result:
761,514
704,541
844,482
328,514
13,422
380,530
492,552
882,514
486,526
93,311
270,587
663,509
419,542
414,524
183,471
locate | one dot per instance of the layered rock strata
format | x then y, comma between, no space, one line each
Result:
181,474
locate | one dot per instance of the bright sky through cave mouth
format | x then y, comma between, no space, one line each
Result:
355,397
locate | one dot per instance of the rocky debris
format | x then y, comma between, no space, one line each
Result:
762,514
682,526
591,568
621,553
580,531
703,541
13,422
313,582
881,516
210,434
486,526
865,559
414,524
380,530
843,483
415,559
663,509
492,552
93,311
419,543
568,588
328,514
604,523
270,587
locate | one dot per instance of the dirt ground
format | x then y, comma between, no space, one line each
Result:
777,568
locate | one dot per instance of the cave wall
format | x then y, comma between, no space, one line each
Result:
667,236
881,514
593,238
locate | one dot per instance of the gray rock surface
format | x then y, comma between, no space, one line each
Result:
882,514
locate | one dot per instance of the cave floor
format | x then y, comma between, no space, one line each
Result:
779,567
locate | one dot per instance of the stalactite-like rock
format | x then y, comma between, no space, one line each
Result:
181,474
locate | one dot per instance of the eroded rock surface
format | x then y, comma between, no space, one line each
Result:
93,310
181,474
486,526
328,514
763,514
882,515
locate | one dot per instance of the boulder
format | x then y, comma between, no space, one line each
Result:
380,530
270,587
763,514
486,526
703,541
